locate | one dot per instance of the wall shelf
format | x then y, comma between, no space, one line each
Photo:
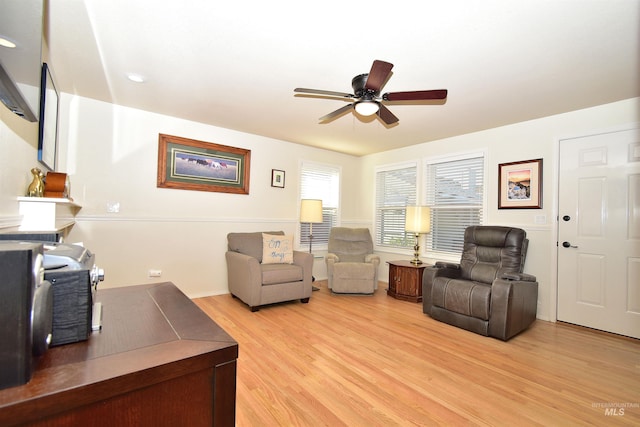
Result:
47,213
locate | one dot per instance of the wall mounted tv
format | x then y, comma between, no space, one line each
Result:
21,56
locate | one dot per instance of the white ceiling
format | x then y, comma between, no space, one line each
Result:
234,64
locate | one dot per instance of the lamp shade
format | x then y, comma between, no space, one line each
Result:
311,210
367,108
417,219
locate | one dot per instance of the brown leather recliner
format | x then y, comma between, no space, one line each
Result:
487,292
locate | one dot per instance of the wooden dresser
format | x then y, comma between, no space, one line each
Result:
159,360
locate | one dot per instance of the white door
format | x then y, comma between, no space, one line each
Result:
599,232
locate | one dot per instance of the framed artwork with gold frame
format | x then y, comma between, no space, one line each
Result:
188,164
520,185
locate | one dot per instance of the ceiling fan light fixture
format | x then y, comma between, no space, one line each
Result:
367,108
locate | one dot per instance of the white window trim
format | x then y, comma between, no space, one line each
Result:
462,155
386,168
298,240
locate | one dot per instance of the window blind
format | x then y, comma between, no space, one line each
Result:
395,189
455,193
318,181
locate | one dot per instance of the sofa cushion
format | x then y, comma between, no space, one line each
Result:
248,243
277,249
281,273
462,296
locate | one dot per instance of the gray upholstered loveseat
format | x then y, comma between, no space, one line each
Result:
257,283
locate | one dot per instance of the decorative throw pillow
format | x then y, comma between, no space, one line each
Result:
277,249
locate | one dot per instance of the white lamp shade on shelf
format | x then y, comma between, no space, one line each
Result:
311,211
418,219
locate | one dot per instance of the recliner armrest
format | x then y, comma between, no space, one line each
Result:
443,264
373,259
514,305
332,257
523,277
440,269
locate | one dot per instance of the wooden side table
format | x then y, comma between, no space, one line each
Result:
405,280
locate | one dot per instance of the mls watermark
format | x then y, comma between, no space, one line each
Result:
615,409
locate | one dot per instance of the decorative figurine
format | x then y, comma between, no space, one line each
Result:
36,188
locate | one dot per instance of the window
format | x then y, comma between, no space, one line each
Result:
318,181
395,189
455,193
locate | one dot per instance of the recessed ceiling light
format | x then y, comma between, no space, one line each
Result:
137,78
7,43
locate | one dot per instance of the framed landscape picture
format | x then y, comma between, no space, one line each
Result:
520,185
187,164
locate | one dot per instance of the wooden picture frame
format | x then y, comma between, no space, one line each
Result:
277,178
520,185
188,164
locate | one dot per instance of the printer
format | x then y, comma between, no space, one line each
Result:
74,279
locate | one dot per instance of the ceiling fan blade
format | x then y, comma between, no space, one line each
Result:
336,113
416,95
386,116
378,75
323,92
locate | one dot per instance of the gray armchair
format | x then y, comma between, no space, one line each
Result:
257,283
487,292
352,268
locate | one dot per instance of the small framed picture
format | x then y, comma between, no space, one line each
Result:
520,185
277,178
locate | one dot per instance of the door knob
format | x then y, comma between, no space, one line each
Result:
566,218
568,245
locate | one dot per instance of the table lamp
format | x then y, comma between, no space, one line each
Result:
418,221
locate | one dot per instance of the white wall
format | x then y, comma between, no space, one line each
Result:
522,141
18,154
111,156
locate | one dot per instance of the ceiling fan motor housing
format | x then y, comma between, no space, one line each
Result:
358,83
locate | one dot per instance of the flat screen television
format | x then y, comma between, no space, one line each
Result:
20,66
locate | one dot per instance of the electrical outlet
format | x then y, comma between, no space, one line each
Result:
155,273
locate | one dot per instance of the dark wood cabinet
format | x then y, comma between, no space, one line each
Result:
158,360
405,280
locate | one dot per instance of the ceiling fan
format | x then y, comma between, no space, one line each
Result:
367,94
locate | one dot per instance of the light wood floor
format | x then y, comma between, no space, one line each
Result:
376,361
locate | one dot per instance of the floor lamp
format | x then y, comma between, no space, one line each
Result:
311,213
418,221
